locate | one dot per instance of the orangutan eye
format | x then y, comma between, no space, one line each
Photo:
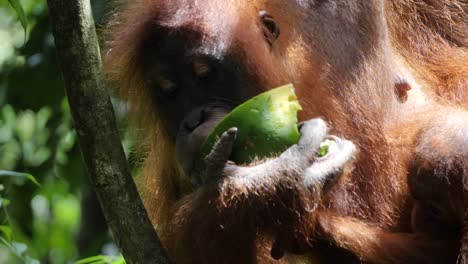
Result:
168,87
201,69
271,30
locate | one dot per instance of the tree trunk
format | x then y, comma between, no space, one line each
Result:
106,165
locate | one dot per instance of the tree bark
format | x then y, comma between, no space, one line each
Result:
106,165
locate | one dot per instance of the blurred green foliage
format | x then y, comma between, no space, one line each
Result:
16,5
47,212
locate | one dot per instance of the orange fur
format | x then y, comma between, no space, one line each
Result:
368,211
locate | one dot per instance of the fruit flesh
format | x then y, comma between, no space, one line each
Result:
324,146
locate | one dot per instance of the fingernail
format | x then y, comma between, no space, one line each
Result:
232,130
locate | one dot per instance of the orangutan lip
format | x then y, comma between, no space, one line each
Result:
189,141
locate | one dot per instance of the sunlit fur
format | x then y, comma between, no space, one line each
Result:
424,42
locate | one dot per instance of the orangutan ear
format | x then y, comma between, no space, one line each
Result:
271,31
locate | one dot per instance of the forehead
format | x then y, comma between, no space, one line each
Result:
210,26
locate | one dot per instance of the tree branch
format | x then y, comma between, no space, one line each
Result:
107,167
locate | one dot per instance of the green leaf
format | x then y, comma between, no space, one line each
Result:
20,248
29,260
4,202
9,115
119,260
6,232
93,260
100,259
42,117
20,12
4,173
8,245
26,125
